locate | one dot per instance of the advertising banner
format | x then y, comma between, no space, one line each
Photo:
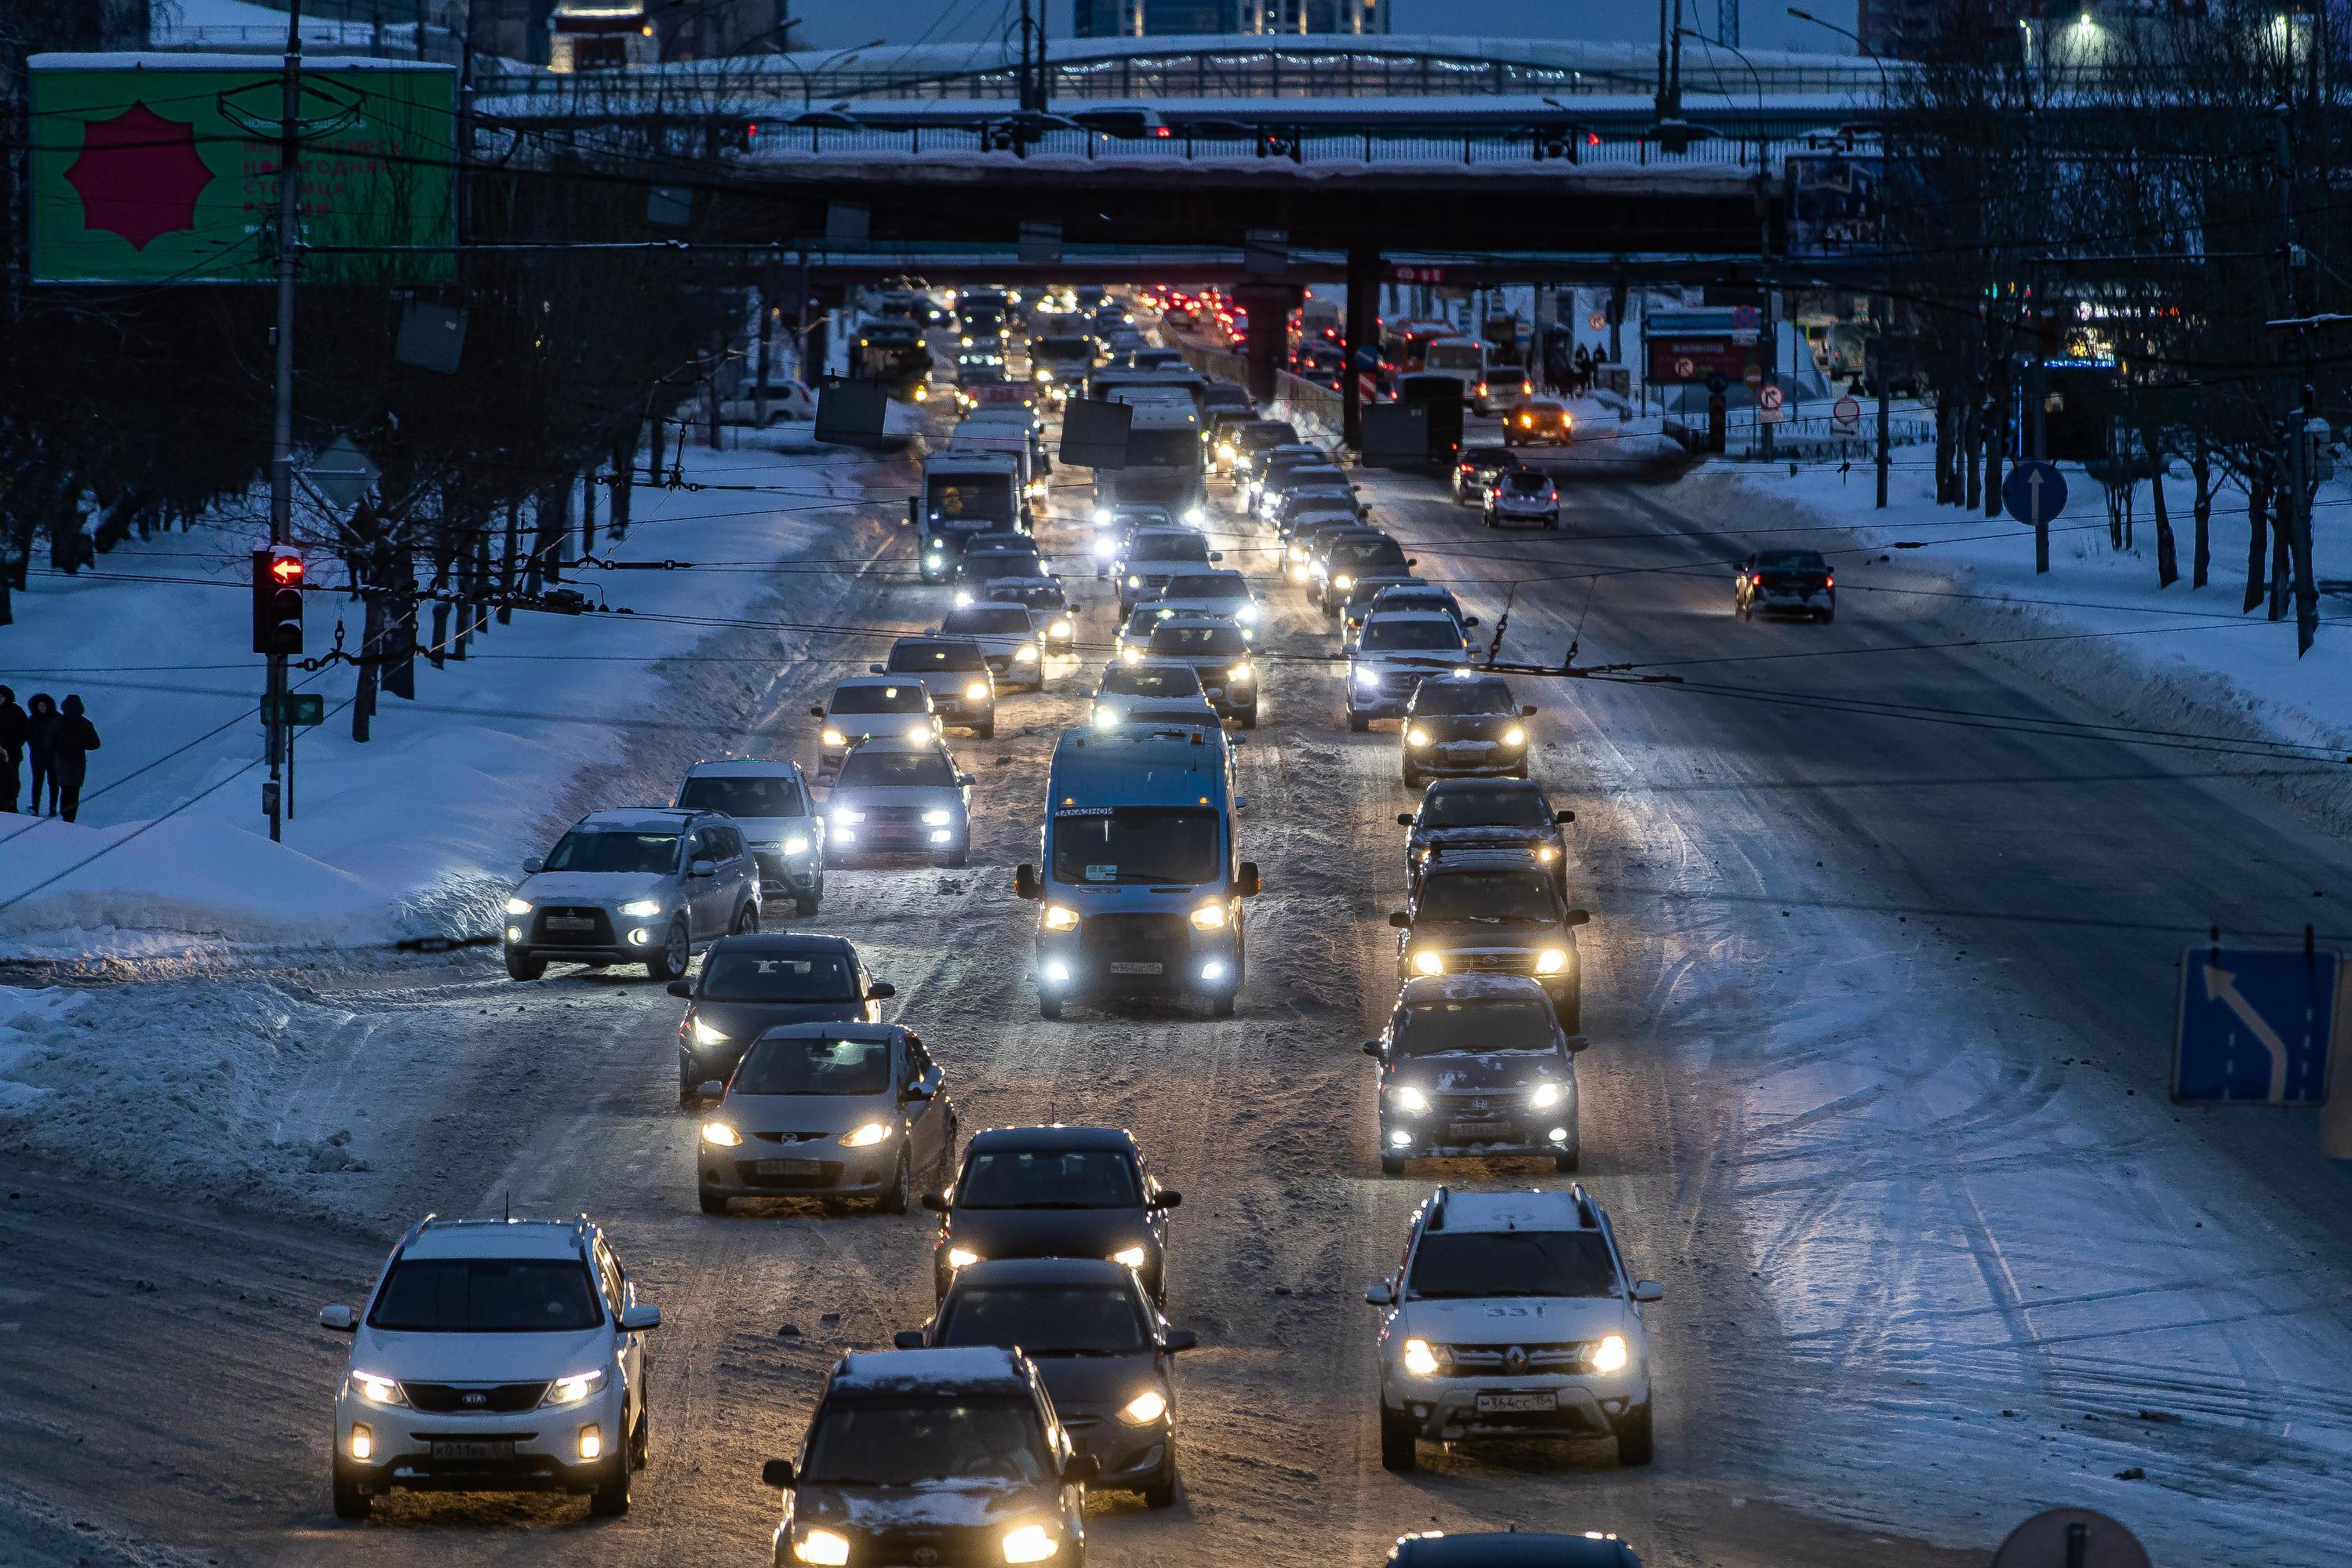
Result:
157,169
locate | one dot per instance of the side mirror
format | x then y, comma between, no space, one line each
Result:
918,1092
1577,1042
1580,917
533,866
1169,1198
1649,1290
1178,1339
875,670
817,710
1404,819
638,1320
1563,818
1400,919
1248,883
1527,710
1025,882
777,1473
1372,1048
907,1339
1081,1469
680,989
880,991
937,1202
702,868
1217,555
966,780
1413,560
1381,1295
1468,620
342,1320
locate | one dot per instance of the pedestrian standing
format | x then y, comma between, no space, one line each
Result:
1584,377
73,740
11,748
40,750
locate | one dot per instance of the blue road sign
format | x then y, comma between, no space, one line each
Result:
2034,491
1718,384
2255,1026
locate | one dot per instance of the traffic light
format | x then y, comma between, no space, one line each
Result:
277,601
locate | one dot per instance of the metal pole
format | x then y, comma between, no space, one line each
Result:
281,424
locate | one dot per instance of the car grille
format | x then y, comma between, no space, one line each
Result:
1490,963
1552,1358
945,1545
1463,727
826,1174
772,868
1130,938
789,1137
598,933
454,1398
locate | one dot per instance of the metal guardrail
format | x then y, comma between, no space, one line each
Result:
1411,146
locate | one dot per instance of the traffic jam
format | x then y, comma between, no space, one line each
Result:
1165,593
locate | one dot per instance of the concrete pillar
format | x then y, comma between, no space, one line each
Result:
1361,330
1269,305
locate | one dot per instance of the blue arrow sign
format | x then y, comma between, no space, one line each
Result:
1718,384
2255,1026
2034,492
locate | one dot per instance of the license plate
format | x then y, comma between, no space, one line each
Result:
1517,1403
1474,1132
787,1167
1137,968
571,923
473,1450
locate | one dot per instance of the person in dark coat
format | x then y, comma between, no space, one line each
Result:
40,750
73,740
11,748
1583,369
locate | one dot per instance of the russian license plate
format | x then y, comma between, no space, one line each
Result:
788,1167
1474,1132
472,1448
571,923
1137,968
1517,1403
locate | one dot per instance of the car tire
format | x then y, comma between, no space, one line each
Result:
985,731
1521,770
956,859
1392,1165
1552,523
1357,722
1399,1451
1567,1163
1570,1014
1636,1444
690,1087
522,969
1491,522
1828,616
1048,1006
641,1441
1162,1492
1247,717
1221,1006
671,961
902,1182
350,1501
1411,776
804,906
747,921
611,1499
713,1203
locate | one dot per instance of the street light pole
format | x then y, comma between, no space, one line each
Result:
281,339
1770,331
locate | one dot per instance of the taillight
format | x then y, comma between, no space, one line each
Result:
1829,582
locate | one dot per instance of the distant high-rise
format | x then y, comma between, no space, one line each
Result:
1158,18
1932,29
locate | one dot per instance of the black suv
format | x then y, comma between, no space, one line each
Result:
1464,727
1487,913
1054,1192
1476,1066
749,984
1459,814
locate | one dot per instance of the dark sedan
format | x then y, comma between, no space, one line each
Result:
1054,1192
749,984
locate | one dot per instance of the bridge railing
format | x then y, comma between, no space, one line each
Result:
1304,147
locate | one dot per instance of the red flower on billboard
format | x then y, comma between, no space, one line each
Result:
139,175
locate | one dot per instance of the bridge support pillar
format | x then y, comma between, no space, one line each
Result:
1269,306
1362,331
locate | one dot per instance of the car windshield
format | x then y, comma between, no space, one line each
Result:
1177,845
743,797
988,620
1225,641
486,1295
1259,436
971,498
1489,895
1063,347
1489,1263
1178,448
1047,1319
1146,617
1477,1023
929,658
907,698
1462,697
1140,516
1792,561
896,770
1383,634
1049,1178
1149,681
814,1067
1037,592
732,975
904,1442
1476,808
1360,556
1526,482
1205,585
1168,545
602,850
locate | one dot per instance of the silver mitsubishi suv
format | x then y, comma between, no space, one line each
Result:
645,885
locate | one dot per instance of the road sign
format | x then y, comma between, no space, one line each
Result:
1597,321
2255,1025
1717,384
1771,397
1744,318
1845,417
301,709
343,472
1683,368
2071,1537
2034,491
1753,375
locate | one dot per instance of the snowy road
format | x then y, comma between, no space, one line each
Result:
1879,1002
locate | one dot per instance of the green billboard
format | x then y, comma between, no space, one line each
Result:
157,168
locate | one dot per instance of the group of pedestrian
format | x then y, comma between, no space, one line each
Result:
56,742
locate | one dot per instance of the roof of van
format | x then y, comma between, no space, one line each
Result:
1097,768
970,462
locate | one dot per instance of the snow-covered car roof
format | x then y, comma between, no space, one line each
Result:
1529,1209
745,768
638,819
1055,1136
540,1238
965,1369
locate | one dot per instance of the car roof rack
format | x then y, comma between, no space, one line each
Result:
1586,1213
1437,1210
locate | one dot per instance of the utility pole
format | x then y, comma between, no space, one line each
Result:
281,424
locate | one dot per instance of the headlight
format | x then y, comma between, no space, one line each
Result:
832,737
866,1136
1609,1354
1545,1097
1195,517
1105,546
1367,676
1420,1360
1428,963
1059,917
1026,653
1410,1098
1105,719
938,817
1416,736
705,1035
1029,1544
1546,854
1061,629
571,1390
963,596
518,906
1241,675
823,1547
642,908
1551,961
1298,552
961,1256
1343,582
798,844
967,342
1515,736
1132,655
976,692
1102,516
847,815
721,1135
1224,450
1144,1408
1135,582
377,1390
1209,918
1044,374
1247,614
1133,1257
